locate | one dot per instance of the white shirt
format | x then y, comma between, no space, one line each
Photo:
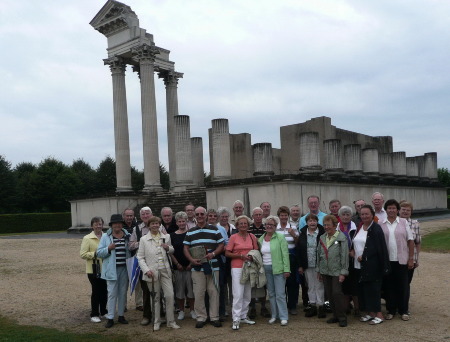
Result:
382,215
359,242
265,251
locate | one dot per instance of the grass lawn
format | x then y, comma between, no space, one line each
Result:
438,242
12,332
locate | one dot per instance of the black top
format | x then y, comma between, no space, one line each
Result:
177,243
258,232
171,227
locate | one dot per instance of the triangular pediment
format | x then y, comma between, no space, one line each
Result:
114,15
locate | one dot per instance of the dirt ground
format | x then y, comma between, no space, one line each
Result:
42,282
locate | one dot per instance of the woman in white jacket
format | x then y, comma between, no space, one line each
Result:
155,265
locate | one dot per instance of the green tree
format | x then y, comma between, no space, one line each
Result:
137,179
87,177
444,176
164,177
25,200
7,186
106,177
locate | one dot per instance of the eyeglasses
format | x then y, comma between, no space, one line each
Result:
270,225
199,214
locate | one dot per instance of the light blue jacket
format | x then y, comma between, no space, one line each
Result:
109,257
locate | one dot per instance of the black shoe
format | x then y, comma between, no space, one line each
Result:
311,312
343,323
332,320
222,319
216,324
252,313
109,323
200,324
265,313
122,320
328,307
321,313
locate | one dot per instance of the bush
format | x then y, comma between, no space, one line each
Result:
34,222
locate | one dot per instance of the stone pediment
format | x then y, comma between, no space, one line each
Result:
114,17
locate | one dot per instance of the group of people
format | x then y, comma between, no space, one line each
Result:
205,259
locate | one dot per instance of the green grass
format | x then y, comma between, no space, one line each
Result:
12,332
438,242
32,233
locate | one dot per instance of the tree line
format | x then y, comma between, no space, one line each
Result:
49,185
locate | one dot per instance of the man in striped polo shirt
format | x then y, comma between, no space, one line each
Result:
205,275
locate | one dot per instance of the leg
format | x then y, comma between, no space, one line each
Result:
238,293
138,293
280,295
112,286
213,293
199,288
167,287
122,279
338,299
94,295
145,293
271,290
103,296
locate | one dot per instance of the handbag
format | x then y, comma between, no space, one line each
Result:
96,267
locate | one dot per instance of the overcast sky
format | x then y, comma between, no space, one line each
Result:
375,67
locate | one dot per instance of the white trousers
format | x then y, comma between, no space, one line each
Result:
242,295
315,287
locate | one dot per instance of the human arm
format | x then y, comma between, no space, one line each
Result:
85,251
187,254
141,259
133,244
103,249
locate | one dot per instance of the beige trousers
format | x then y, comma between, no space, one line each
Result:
202,283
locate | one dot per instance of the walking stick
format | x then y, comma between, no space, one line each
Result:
153,294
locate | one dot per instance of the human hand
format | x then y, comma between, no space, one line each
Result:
300,270
111,247
286,275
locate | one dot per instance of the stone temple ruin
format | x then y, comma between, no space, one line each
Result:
315,157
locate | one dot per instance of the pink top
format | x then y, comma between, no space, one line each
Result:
238,245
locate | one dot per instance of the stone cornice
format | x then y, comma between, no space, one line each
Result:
116,64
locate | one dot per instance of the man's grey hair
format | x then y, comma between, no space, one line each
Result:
256,208
166,208
238,202
145,209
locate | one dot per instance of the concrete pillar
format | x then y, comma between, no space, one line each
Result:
309,151
370,161
220,141
399,163
333,155
421,166
183,152
276,160
198,177
262,159
145,55
121,138
385,164
171,81
353,158
430,160
412,167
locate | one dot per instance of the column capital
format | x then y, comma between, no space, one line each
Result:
145,53
116,64
170,77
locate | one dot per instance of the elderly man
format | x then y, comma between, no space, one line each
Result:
205,271
189,209
238,210
356,218
378,202
334,207
313,206
294,219
168,220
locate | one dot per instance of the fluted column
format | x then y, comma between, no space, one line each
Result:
198,177
263,159
370,161
183,152
310,151
412,167
385,164
171,81
332,149
145,55
353,158
399,163
220,140
121,137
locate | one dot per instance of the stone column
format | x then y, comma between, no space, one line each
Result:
412,168
385,164
183,152
370,161
198,177
262,159
430,160
145,55
310,152
421,166
353,158
121,138
333,155
220,140
171,81
399,163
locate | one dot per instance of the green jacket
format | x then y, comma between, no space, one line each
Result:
337,261
279,252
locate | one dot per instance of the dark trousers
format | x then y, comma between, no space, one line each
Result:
99,296
333,290
397,289
369,295
292,283
146,300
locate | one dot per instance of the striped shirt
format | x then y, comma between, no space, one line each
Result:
208,237
289,238
120,251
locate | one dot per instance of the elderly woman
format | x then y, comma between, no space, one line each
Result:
306,249
350,284
182,266
274,250
237,250
332,265
224,221
291,234
88,251
113,249
400,245
211,217
371,261
153,257
406,209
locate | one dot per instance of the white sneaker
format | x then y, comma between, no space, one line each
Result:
246,320
284,322
180,315
156,326
272,320
193,314
235,325
95,319
173,325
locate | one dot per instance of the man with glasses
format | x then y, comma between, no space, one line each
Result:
238,210
189,209
313,206
205,240
378,201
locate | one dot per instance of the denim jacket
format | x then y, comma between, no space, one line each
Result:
109,257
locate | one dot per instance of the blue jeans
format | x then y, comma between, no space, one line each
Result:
117,292
277,296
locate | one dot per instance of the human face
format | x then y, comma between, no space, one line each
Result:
154,227
270,227
329,227
266,208
181,223
200,215
97,227
283,218
166,216
238,209
223,219
295,213
313,205
366,216
212,218
190,211
242,225
377,202
358,206
116,227
257,217
128,217
334,208
312,224
345,218
391,211
405,212
145,216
